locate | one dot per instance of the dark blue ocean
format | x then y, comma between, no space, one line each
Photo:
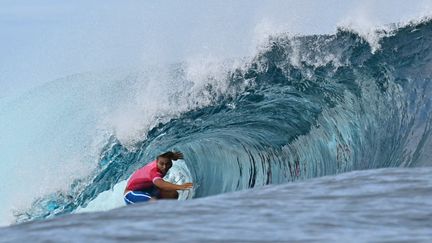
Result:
315,138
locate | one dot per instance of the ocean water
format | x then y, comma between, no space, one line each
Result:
384,205
303,107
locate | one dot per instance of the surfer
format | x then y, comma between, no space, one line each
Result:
147,183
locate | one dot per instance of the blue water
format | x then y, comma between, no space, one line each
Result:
303,107
383,205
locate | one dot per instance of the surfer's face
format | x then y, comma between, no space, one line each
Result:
164,164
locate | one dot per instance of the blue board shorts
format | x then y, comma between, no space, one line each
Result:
145,195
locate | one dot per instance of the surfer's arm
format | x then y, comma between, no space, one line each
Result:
164,185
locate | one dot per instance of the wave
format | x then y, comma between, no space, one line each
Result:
304,107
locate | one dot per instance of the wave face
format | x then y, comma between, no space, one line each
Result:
303,107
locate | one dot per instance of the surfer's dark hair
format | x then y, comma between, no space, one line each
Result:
167,155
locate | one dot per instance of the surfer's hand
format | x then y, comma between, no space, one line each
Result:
177,155
186,186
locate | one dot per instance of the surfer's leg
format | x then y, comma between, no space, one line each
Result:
164,194
133,197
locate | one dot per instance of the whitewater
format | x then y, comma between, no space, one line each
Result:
316,137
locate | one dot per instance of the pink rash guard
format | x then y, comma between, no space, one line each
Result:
144,177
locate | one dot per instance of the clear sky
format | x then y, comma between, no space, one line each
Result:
41,40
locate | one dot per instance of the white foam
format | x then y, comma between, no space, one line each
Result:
263,30
106,200
160,96
368,25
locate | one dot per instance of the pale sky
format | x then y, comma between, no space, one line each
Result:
42,40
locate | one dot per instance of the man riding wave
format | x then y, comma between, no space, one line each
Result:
147,183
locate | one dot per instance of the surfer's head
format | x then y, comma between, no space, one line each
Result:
164,162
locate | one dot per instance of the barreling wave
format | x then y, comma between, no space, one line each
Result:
303,107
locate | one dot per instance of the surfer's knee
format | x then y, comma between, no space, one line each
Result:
169,194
